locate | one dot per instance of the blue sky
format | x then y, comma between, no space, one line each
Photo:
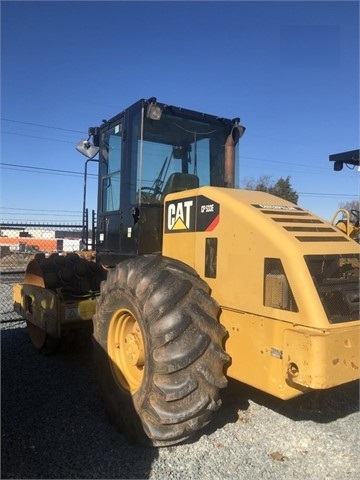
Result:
288,69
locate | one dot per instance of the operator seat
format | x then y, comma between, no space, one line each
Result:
178,182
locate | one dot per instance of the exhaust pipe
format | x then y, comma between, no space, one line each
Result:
236,133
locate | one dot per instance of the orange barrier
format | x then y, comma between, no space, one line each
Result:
42,244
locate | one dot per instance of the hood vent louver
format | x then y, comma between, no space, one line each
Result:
305,226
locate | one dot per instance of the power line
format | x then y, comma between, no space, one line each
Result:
331,195
27,168
279,162
38,138
39,125
36,210
43,215
78,131
266,160
319,170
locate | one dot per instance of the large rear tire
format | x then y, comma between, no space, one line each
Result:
158,350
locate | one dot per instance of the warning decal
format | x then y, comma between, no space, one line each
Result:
192,214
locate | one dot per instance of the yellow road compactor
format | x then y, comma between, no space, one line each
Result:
191,281
348,222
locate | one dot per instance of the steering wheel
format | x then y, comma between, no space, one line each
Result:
150,190
149,195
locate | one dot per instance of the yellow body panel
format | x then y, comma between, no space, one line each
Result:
264,340
321,359
47,310
284,359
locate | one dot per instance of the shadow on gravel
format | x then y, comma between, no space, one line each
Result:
319,406
54,425
53,421
323,406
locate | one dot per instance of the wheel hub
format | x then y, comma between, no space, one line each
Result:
126,350
134,351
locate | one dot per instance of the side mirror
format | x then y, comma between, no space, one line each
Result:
87,148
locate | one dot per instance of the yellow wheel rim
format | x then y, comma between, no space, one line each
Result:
126,350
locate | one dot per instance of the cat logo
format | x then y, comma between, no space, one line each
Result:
192,214
179,215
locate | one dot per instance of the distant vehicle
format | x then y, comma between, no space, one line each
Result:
27,248
31,249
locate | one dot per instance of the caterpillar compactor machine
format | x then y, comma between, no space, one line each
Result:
193,281
344,219
348,222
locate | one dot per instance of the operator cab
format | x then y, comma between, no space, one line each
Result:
146,152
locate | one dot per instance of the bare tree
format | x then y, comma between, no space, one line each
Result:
352,205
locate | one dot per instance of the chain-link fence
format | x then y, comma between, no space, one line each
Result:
19,243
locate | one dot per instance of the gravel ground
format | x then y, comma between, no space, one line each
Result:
54,426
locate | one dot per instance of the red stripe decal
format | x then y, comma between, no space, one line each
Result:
213,224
